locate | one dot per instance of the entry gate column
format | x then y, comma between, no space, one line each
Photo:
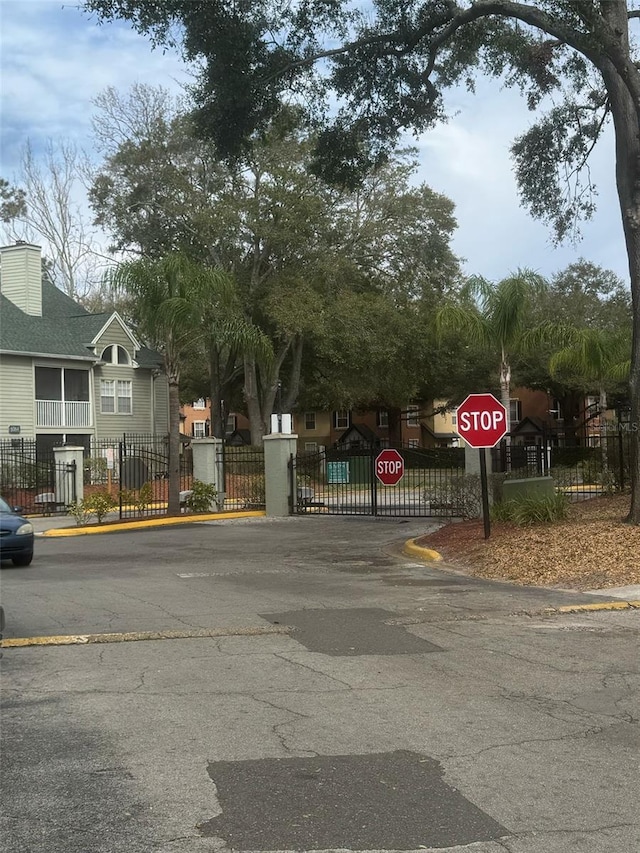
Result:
208,465
278,450
69,481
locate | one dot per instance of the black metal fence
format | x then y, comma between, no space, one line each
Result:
35,481
244,478
344,482
134,471
599,465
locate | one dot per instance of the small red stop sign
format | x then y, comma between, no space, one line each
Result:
482,420
389,467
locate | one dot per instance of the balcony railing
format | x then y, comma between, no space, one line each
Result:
56,413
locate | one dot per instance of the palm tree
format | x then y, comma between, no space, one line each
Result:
495,318
181,307
228,337
595,359
163,294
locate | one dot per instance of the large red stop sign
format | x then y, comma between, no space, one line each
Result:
389,467
482,420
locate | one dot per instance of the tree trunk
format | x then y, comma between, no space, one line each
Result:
293,388
173,507
625,109
505,391
252,399
602,406
395,426
215,385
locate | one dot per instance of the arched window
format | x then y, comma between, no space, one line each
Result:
115,354
123,356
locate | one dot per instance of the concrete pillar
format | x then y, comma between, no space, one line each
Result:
472,460
472,466
208,465
69,481
278,449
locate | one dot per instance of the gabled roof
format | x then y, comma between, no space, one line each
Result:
22,333
529,425
360,433
110,318
65,330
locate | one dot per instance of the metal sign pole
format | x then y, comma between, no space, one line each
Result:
485,493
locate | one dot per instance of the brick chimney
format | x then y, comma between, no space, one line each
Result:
21,276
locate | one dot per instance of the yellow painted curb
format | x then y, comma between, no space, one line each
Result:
151,522
594,608
136,636
412,550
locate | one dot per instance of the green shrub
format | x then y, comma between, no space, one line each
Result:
461,494
100,503
23,474
533,510
202,496
80,511
144,497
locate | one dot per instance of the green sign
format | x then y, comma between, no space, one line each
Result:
337,472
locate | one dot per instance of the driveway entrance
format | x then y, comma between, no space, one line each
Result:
344,482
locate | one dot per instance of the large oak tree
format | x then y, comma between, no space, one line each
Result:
388,62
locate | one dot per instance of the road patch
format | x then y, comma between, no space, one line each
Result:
346,632
380,801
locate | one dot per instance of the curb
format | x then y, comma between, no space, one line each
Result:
136,636
150,522
595,608
411,549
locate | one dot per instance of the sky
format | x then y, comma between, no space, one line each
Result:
54,60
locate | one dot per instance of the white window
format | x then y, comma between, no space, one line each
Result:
383,418
199,404
115,354
116,397
342,419
413,416
515,411
311,446
309,420
454,417
413,442
107,396
231,423
124,397
199,429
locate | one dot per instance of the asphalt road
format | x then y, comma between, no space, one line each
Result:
347,698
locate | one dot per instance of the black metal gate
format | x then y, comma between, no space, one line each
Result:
243,476
35,481
343,482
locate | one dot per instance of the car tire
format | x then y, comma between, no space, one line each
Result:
23,559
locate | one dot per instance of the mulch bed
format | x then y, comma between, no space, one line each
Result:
593,549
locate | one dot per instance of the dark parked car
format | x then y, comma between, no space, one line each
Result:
16,536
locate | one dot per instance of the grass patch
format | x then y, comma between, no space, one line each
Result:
546,509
